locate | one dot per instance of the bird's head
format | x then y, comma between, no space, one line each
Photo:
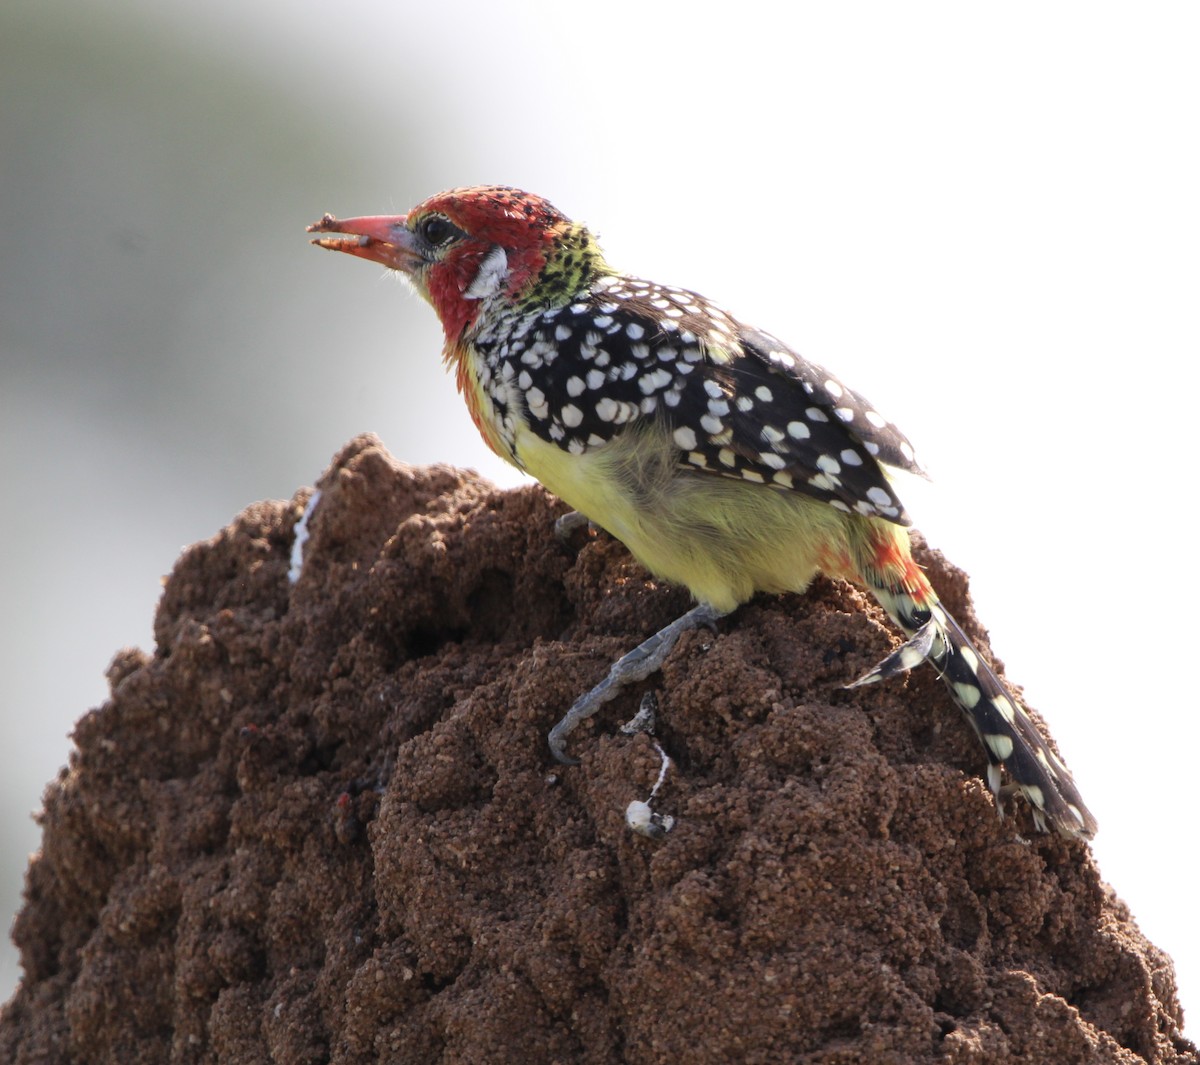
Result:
472,248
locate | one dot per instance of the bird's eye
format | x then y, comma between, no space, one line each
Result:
436,230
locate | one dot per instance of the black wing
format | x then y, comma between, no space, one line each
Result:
793,423
737,401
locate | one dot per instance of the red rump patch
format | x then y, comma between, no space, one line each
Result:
892,560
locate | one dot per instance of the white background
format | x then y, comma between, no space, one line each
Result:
984,218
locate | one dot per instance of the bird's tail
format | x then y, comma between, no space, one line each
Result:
1010,738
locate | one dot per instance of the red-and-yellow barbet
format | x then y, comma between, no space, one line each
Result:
725,461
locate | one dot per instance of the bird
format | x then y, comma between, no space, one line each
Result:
724,460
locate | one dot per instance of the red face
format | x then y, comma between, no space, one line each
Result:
457,247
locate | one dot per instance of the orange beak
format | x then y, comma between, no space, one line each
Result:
379,238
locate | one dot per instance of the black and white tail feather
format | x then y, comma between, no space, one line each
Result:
1010,739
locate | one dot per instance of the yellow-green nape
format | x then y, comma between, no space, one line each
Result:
574,262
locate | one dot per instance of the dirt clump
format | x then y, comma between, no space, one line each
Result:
320,823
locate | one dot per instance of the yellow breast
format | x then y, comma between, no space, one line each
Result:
721,538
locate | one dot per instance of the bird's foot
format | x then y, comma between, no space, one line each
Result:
569,522
643,660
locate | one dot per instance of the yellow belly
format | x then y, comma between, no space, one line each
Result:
723,539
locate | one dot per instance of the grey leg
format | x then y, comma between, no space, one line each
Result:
568,523
643,660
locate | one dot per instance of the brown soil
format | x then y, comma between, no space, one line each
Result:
320,824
